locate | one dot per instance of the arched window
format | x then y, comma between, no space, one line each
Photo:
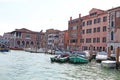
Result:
112,35
32,43
27,43
23,43
18,43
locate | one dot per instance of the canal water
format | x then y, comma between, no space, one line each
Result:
21,65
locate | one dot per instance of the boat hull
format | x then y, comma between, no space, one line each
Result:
4,50
78,59
108,64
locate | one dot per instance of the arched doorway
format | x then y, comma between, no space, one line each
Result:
31,44
111,47
23,43
18,43
27,43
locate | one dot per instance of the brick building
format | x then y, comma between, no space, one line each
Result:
74,36
66,40
89,30
24,38
94,30
52,38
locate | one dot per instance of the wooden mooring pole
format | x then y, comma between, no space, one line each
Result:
117,57
109,52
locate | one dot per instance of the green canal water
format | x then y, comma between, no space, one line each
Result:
20,65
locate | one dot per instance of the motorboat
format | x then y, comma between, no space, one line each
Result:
100,56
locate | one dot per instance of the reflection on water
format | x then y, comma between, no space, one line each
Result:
20,65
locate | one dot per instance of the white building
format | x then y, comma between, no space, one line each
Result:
114,29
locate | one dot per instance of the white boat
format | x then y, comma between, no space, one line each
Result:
41,50
108,64
49,51
100,56
34,50
27,49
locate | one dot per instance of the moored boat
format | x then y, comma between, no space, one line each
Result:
60,58
78,59
108,64
101,56
3,48
34,50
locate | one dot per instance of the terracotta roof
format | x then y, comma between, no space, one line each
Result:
96,10
24,30
114,8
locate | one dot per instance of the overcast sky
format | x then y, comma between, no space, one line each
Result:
37,15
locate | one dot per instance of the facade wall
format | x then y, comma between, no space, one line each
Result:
52,38
86,35
114,29
95,33
66,40
74,29
61,40
24,38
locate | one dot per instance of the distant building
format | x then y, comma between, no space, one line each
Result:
74,36
114,29
66,40
61,40
24,38
0,36
52,38
4,40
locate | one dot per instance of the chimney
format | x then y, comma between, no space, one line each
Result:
70,18
79,15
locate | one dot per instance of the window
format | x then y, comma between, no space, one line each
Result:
81,40
94,40
83,23
74,28
83,31
95,21
118,14
93,14
104,39
98,20
80,26
89,22
73,41
98,29
104,28
73,34
88,40
104,18
28,36
112,24
112,35
94,30
88,30
98,39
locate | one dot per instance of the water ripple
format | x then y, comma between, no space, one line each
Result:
20,65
